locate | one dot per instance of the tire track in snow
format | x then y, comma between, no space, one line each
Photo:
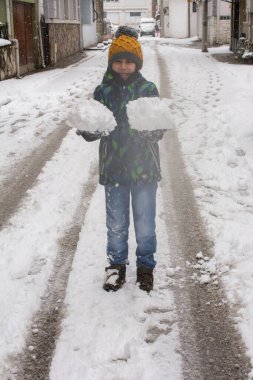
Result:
34,362
211,346
25,174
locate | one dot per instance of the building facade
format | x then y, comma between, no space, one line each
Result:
127,12
178,18
219,21
62,18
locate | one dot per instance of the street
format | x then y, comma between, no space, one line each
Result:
57,322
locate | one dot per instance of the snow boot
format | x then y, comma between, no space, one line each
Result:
115,277
145,278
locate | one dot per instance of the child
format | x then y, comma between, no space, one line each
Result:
128,164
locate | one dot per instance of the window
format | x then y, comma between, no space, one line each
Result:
74,10
194,6
57,9
135,14
224,17
66,9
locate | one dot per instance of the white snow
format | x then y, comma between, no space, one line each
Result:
91,116
4,42
104,336
150,114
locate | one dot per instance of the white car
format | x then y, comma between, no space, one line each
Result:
147,26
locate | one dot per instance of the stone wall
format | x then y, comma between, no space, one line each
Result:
218,31
64,40
224,31
7,62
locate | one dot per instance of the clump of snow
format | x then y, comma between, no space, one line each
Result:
207,270
247,54
204,279
170,272
199,255
91,116
4,42
150,114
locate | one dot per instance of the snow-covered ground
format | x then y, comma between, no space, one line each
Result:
214,113
4,42
105,335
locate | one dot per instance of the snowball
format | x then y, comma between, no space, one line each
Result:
199,255
91,116
204,279
149,114
170,272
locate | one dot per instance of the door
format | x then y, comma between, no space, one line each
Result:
23,32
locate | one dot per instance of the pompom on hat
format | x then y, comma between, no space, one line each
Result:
127,31
126,46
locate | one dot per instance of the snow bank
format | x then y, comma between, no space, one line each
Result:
92,116
150,114
4,42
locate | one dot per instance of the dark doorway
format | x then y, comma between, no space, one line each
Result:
23,32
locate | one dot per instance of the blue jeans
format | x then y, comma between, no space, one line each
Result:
143,198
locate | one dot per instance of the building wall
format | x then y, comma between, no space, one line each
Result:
64,40
7,62
176,19
63,19
127,12
88,23
219,22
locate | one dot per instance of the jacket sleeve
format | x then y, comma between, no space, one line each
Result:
98,94
153,92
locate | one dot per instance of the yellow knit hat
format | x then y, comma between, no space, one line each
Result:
126,46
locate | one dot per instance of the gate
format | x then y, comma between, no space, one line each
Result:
23,32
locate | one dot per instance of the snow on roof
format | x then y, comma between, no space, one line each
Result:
4,42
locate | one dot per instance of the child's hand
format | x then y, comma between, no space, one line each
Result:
79,132
90,136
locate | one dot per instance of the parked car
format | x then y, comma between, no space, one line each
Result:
147,26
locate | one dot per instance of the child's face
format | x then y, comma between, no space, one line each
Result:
124,67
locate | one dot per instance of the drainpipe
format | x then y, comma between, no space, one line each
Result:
161,19
40,37
218,39
17,57
8,14
189,18
79,12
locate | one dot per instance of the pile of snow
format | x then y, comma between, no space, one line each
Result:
207,269
150,114
92,116
247,54
4,42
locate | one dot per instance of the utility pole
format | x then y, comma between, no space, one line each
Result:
204,26
189,18
161,19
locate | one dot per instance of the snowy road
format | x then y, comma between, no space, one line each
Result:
127,335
